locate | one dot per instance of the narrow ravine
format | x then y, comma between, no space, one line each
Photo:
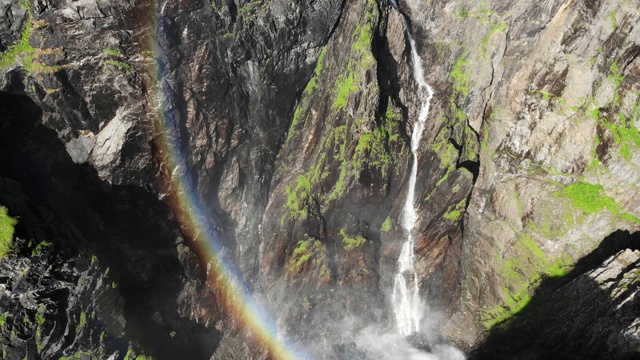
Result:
406,301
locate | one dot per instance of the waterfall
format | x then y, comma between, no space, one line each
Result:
406,301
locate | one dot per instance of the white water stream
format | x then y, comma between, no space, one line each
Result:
406,301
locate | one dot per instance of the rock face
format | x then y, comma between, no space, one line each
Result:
588,313
292,121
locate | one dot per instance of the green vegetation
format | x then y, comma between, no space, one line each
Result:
311,86
78,355
38,249
313,82
296,198
349,242
612,16
615,76
501,27
39,322
462,14
7,227
83,322
589,198
625,134
345,85
302,253
454,213
13,51
521,273
386,225
461,74
128,69
545,94
114,52
350,144
131,355
592,199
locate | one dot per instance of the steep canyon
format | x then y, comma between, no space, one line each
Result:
170,170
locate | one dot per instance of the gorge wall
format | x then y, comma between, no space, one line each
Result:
293,122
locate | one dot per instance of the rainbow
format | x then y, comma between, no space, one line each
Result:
223,277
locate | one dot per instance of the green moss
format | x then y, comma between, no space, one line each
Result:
349,242
305,250
83,321
454,213
114,52
313,82
39,322
484,15
545,94
514,303
296,198
501,27
128,69
41,245
361,59
461,75
521,273
345,86
559,268
589,198
612,17
625,134
311,86
7,228
386,225
533,247
462,14
350,144
130,355
551,220
371,150
8,57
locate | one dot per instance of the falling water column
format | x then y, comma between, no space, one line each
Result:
406,301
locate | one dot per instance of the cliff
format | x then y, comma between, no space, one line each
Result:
284,128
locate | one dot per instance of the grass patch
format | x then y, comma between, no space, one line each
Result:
114,52
7,228
128,69
386,225
454,213
349,242
589,198
625,134
13,51
461,75
296,198
345,85
501,27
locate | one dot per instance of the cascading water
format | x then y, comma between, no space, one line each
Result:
407,305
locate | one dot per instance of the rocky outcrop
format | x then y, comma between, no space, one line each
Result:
589,313
94,269
556,109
